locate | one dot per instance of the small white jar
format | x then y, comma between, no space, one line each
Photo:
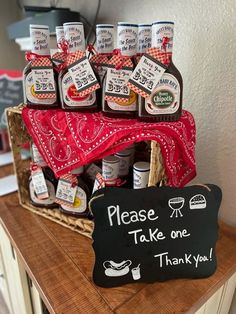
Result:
141,170
110,169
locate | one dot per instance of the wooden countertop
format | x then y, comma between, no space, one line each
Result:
60,262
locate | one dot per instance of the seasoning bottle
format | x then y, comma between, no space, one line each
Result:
104,47
39,35
110,170
125,160
127,39
80,206
141,170
70,99
50,180
165,102
144,39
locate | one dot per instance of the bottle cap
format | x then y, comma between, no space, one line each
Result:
127,38
111,159
74,34
142,166
104,38
124,153
39,35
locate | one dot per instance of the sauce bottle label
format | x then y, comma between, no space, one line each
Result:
131,105
80,202
43,80
116,84
146,75
47,201
30,92
82,73
165,99
71,96
66,190
39,182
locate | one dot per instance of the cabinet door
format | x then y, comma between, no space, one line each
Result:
4,284
35,297
16,277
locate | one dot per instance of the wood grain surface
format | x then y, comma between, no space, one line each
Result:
60,263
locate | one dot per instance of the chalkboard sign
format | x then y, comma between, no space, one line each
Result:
154,234
11,90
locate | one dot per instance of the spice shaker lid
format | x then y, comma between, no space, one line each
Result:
111,159
142,166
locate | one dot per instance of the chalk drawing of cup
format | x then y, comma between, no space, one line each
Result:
136,272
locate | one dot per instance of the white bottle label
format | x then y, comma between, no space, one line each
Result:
39,183
70,94
110,171
127,39
104,39
147,74
116,83
40,39
165,98
43,80
92,171
74,34
159,31
140,179
144,38
66,192
80,202
82,74
30,92
124,164
47,201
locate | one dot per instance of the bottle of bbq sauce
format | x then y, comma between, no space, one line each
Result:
165,102
70,99
104,48
40,87
127,40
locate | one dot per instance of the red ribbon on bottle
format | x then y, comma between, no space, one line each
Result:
29,56
64,46
165,41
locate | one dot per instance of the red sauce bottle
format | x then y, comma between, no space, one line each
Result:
40,45
165,102
70,99
127,39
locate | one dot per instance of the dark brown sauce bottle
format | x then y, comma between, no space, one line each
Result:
70,99
127,39
165,102
40,45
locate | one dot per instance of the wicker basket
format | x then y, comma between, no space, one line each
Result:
19,135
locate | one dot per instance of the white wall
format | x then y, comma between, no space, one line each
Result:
204,52
10,55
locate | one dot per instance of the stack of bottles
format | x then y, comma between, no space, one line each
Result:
48,82
128,168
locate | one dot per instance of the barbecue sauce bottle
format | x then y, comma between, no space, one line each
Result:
39,35
104,47
165,102
127,40
70,99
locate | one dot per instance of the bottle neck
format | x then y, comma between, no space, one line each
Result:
74,34
162,36
127,40
39,40
104,38
144,38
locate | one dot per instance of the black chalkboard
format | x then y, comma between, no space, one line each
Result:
11,89
154,234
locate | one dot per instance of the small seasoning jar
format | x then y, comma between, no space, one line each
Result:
80,206
141,170
125,160
110,169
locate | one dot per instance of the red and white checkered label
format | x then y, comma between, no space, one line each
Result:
116,89
82,73
66,190
148,72
43,76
